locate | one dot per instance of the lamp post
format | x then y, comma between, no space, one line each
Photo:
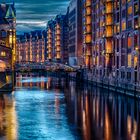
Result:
136,54
110,55
109,65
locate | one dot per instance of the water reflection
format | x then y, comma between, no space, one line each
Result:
8,122
103,115
54,108
41,109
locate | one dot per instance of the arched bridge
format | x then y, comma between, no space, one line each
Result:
47,66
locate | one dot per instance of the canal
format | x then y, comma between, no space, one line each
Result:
48,108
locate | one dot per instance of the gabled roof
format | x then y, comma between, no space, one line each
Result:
7,11
10,12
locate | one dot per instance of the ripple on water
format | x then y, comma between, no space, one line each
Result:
39,117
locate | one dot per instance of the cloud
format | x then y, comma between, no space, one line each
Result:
35,14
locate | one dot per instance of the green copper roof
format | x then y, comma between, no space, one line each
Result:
10,13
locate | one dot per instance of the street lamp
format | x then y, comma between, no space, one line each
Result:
136,53
109,65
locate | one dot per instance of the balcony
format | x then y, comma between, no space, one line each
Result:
58,49
57,27
88,3
58,32
88,29
108,47
49,31
109,8
88,11
49,56
88,20
49,41
49,46
49,50
57,43
50,36
58,56
109,31
88,38
109,20
57,38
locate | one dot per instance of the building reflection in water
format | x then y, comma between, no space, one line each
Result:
95,113
54,84
103,115
8,121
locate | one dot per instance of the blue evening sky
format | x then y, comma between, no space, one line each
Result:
34,14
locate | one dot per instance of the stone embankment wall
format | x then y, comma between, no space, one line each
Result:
107,83
2,79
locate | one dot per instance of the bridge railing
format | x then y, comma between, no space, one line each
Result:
51,66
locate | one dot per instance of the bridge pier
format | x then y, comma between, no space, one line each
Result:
2,77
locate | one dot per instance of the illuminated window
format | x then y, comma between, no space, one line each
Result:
129,42
88,10
115,31
97,59
88,2
130,9
123,25
88,20
109,7
88,38
118,28
109,19
109,31
3,54
88,28
129,60
135,61
58,55
10,39
108,46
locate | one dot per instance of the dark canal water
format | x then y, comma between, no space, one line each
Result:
45,108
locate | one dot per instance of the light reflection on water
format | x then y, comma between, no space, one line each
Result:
8,118
56,109
33,80
101,115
